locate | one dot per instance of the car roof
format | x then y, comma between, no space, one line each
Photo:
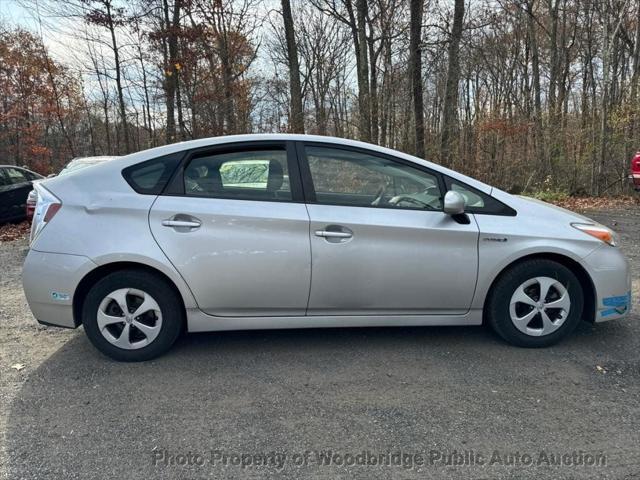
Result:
118,164
96,159
143,155
20,168
16,166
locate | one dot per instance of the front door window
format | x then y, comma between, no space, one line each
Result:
345,177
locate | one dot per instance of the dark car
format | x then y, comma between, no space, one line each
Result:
15,185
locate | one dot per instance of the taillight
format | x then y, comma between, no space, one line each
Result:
46,208
51,211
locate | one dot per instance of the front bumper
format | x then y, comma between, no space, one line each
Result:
50,281
611,278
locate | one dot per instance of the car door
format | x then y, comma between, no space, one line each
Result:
380,242
13,194
235,226
5,196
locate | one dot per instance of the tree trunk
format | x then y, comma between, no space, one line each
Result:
363,71
415,68
171,25
297,116
181,125
450,108
554,67
605,103
535,72
373,91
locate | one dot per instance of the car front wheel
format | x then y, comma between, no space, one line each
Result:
535,303
132,315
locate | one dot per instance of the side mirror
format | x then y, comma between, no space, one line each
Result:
453,203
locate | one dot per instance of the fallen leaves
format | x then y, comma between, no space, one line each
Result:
597,203
14,231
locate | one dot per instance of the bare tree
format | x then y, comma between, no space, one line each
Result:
415,68
169,33
355,19
105,14
546,90
450,107
297,117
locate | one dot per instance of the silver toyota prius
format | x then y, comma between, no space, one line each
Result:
295,231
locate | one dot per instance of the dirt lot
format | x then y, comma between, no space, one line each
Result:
224,405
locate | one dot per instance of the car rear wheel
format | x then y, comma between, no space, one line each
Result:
535,303
132,315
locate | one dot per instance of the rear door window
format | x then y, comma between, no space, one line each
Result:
260,174
16,176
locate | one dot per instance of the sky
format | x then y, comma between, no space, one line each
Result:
57,34
13,14
65,46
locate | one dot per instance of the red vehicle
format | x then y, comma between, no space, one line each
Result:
635,171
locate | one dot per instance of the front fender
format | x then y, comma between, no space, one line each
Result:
494,256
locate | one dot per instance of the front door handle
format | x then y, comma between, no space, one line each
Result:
182,222
335,234
330,234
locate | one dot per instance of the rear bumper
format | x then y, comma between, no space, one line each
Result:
611,278
49,281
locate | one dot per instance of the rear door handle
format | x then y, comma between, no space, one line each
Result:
330,234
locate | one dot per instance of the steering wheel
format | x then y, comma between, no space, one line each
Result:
406,198
379,195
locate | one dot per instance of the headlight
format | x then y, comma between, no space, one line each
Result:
601,232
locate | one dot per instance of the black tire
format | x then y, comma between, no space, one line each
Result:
497,307
165,296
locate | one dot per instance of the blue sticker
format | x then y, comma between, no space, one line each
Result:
59,296
614,311
619,305
616,301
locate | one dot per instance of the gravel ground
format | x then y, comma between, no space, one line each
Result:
289,400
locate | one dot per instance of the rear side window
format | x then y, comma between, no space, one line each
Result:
150,177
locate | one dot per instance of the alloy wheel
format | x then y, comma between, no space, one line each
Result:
129,318
539,306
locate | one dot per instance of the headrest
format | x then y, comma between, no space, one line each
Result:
276,176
